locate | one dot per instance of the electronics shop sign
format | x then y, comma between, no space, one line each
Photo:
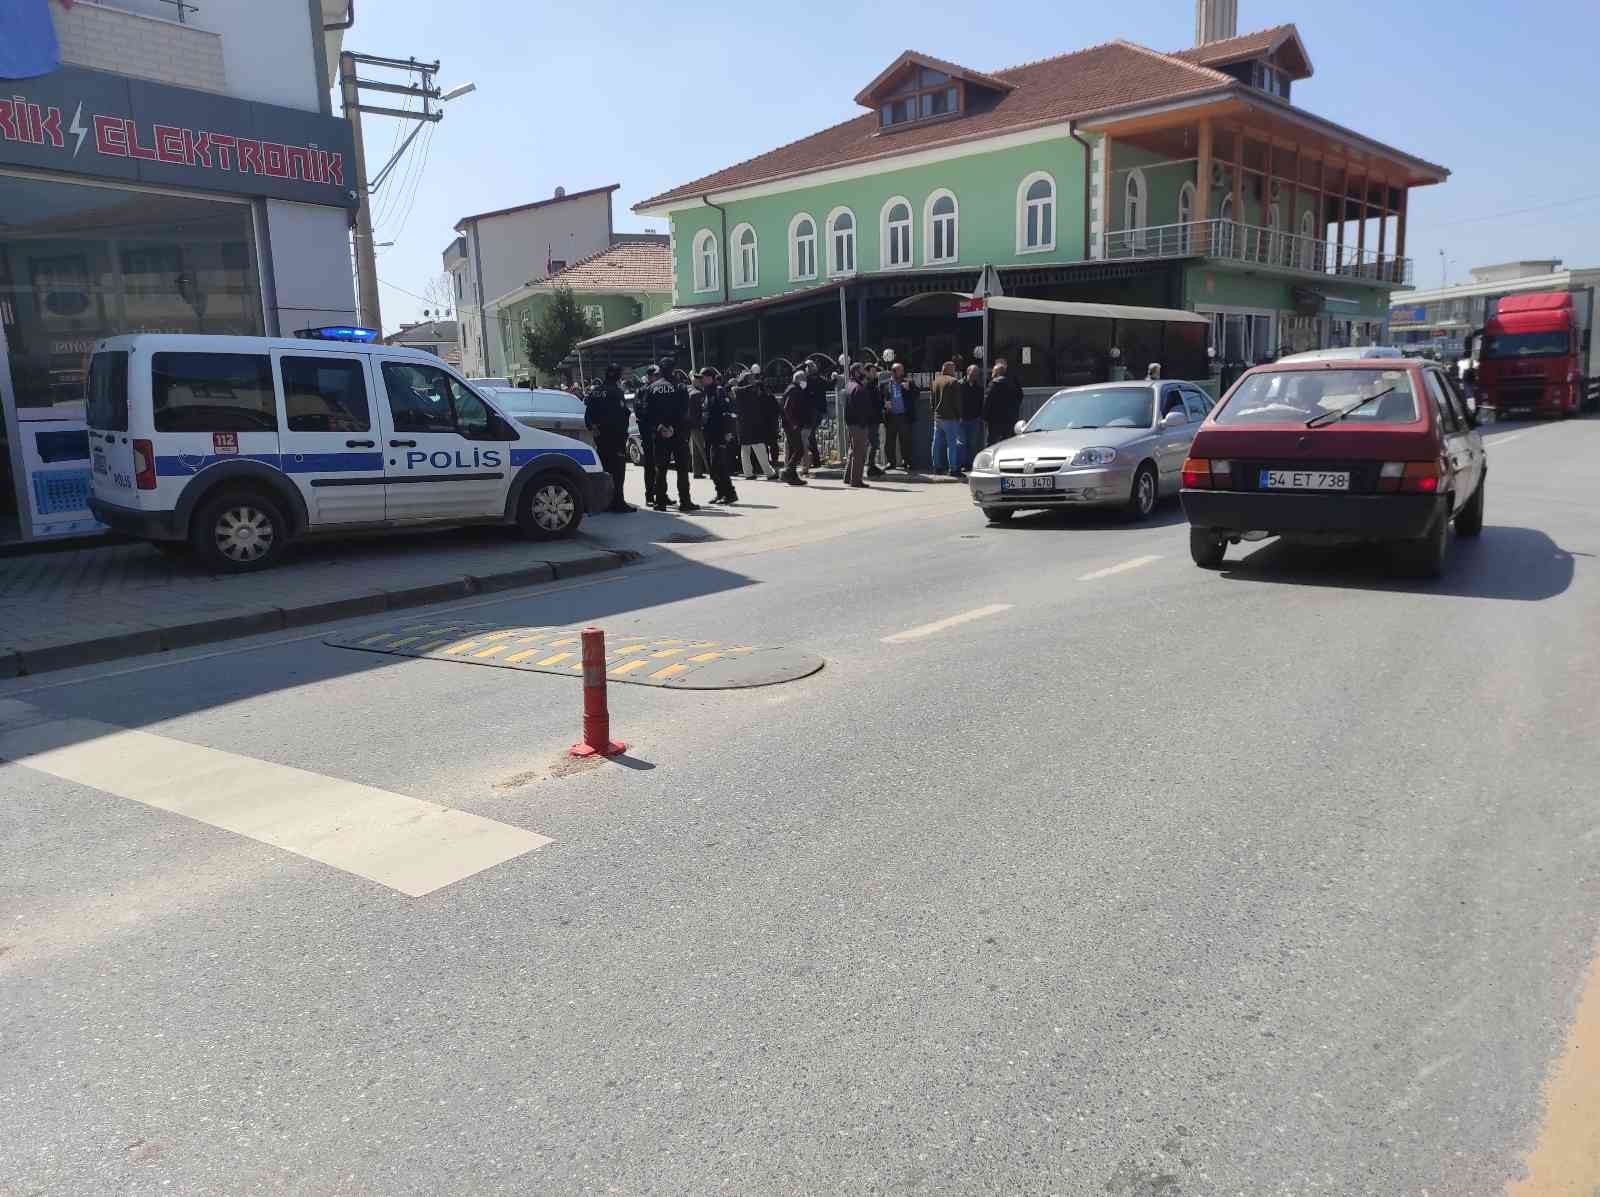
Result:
92,123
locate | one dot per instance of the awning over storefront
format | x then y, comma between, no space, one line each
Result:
948,302
682,317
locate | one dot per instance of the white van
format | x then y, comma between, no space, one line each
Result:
234,446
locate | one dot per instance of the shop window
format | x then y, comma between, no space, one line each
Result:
213,392
324,394
939,238
1036,212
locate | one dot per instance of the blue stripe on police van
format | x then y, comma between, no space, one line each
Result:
520,457
330,463
181,465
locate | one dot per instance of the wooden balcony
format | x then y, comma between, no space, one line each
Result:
1232,241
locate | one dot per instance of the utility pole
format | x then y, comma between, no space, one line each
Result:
368,312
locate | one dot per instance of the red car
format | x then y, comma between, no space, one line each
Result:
1375,449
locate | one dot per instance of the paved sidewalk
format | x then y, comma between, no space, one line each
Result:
75,607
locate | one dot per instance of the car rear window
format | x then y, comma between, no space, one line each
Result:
213,392
527,403
1295,396
108,391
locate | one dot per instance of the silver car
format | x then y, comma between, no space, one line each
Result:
1118,444
553,411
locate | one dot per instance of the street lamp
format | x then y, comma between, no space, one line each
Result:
455,93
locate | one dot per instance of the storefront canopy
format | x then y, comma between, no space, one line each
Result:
948,302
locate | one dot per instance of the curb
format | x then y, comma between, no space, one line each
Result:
25,662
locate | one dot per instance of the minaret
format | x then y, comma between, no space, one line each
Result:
1215,20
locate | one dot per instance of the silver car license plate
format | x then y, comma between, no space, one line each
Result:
1305,480
1033,482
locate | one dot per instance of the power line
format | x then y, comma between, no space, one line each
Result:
403,291
1577,199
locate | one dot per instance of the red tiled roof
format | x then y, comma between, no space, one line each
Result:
544,203
1246,45
626,266
1044,92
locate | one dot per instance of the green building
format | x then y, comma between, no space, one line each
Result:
1117,174
627,282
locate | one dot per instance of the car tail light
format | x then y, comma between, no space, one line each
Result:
1197,473
144,465
1421,477
1389,477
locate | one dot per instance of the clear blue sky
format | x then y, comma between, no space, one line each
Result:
603,92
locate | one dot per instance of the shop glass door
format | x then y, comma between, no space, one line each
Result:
79,263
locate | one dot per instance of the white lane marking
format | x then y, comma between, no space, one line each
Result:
409,845
1119,569
1496,441
929,629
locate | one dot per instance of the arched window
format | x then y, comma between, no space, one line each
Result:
1225,229
707,276
1036,213
743,256
1186,202
841,241
1308,240
939,242
802,248
1135,213
895,235
1274,228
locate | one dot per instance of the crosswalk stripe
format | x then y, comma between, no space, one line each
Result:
705,657
403,843
430,646
669,652
669,670
490,651
629,667
524,655
554,659
460,646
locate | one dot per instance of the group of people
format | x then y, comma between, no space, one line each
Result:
706,428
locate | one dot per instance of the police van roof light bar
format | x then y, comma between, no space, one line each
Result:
338,332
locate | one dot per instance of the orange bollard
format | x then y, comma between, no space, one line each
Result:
597,739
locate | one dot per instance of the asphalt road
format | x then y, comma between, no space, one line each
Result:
1137,880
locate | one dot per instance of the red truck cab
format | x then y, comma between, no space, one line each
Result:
1531,356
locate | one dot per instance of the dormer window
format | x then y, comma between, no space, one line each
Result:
1270,80
923,94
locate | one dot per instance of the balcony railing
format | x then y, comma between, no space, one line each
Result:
1236,242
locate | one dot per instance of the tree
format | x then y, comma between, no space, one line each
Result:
559,327
440,293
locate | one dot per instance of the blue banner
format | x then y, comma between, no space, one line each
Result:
28,44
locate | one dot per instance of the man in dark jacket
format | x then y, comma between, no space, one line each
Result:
870,382
697,419
860,411
971,416
647,439
720,428
1002,405
754,408
605,412
899,396
797,411
667,414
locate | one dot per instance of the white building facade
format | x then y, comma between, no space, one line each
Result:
177,175
498,252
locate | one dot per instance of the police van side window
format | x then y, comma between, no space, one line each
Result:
108,391
213,392
426,399
419,398
324,394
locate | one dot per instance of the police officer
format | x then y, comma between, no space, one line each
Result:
605,412
647,439
720,426
666,403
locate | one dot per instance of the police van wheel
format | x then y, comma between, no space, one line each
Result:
551,508
239,531
635,452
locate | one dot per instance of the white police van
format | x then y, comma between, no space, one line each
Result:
235,446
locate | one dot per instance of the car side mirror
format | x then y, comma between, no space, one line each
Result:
1020,427
1174,419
